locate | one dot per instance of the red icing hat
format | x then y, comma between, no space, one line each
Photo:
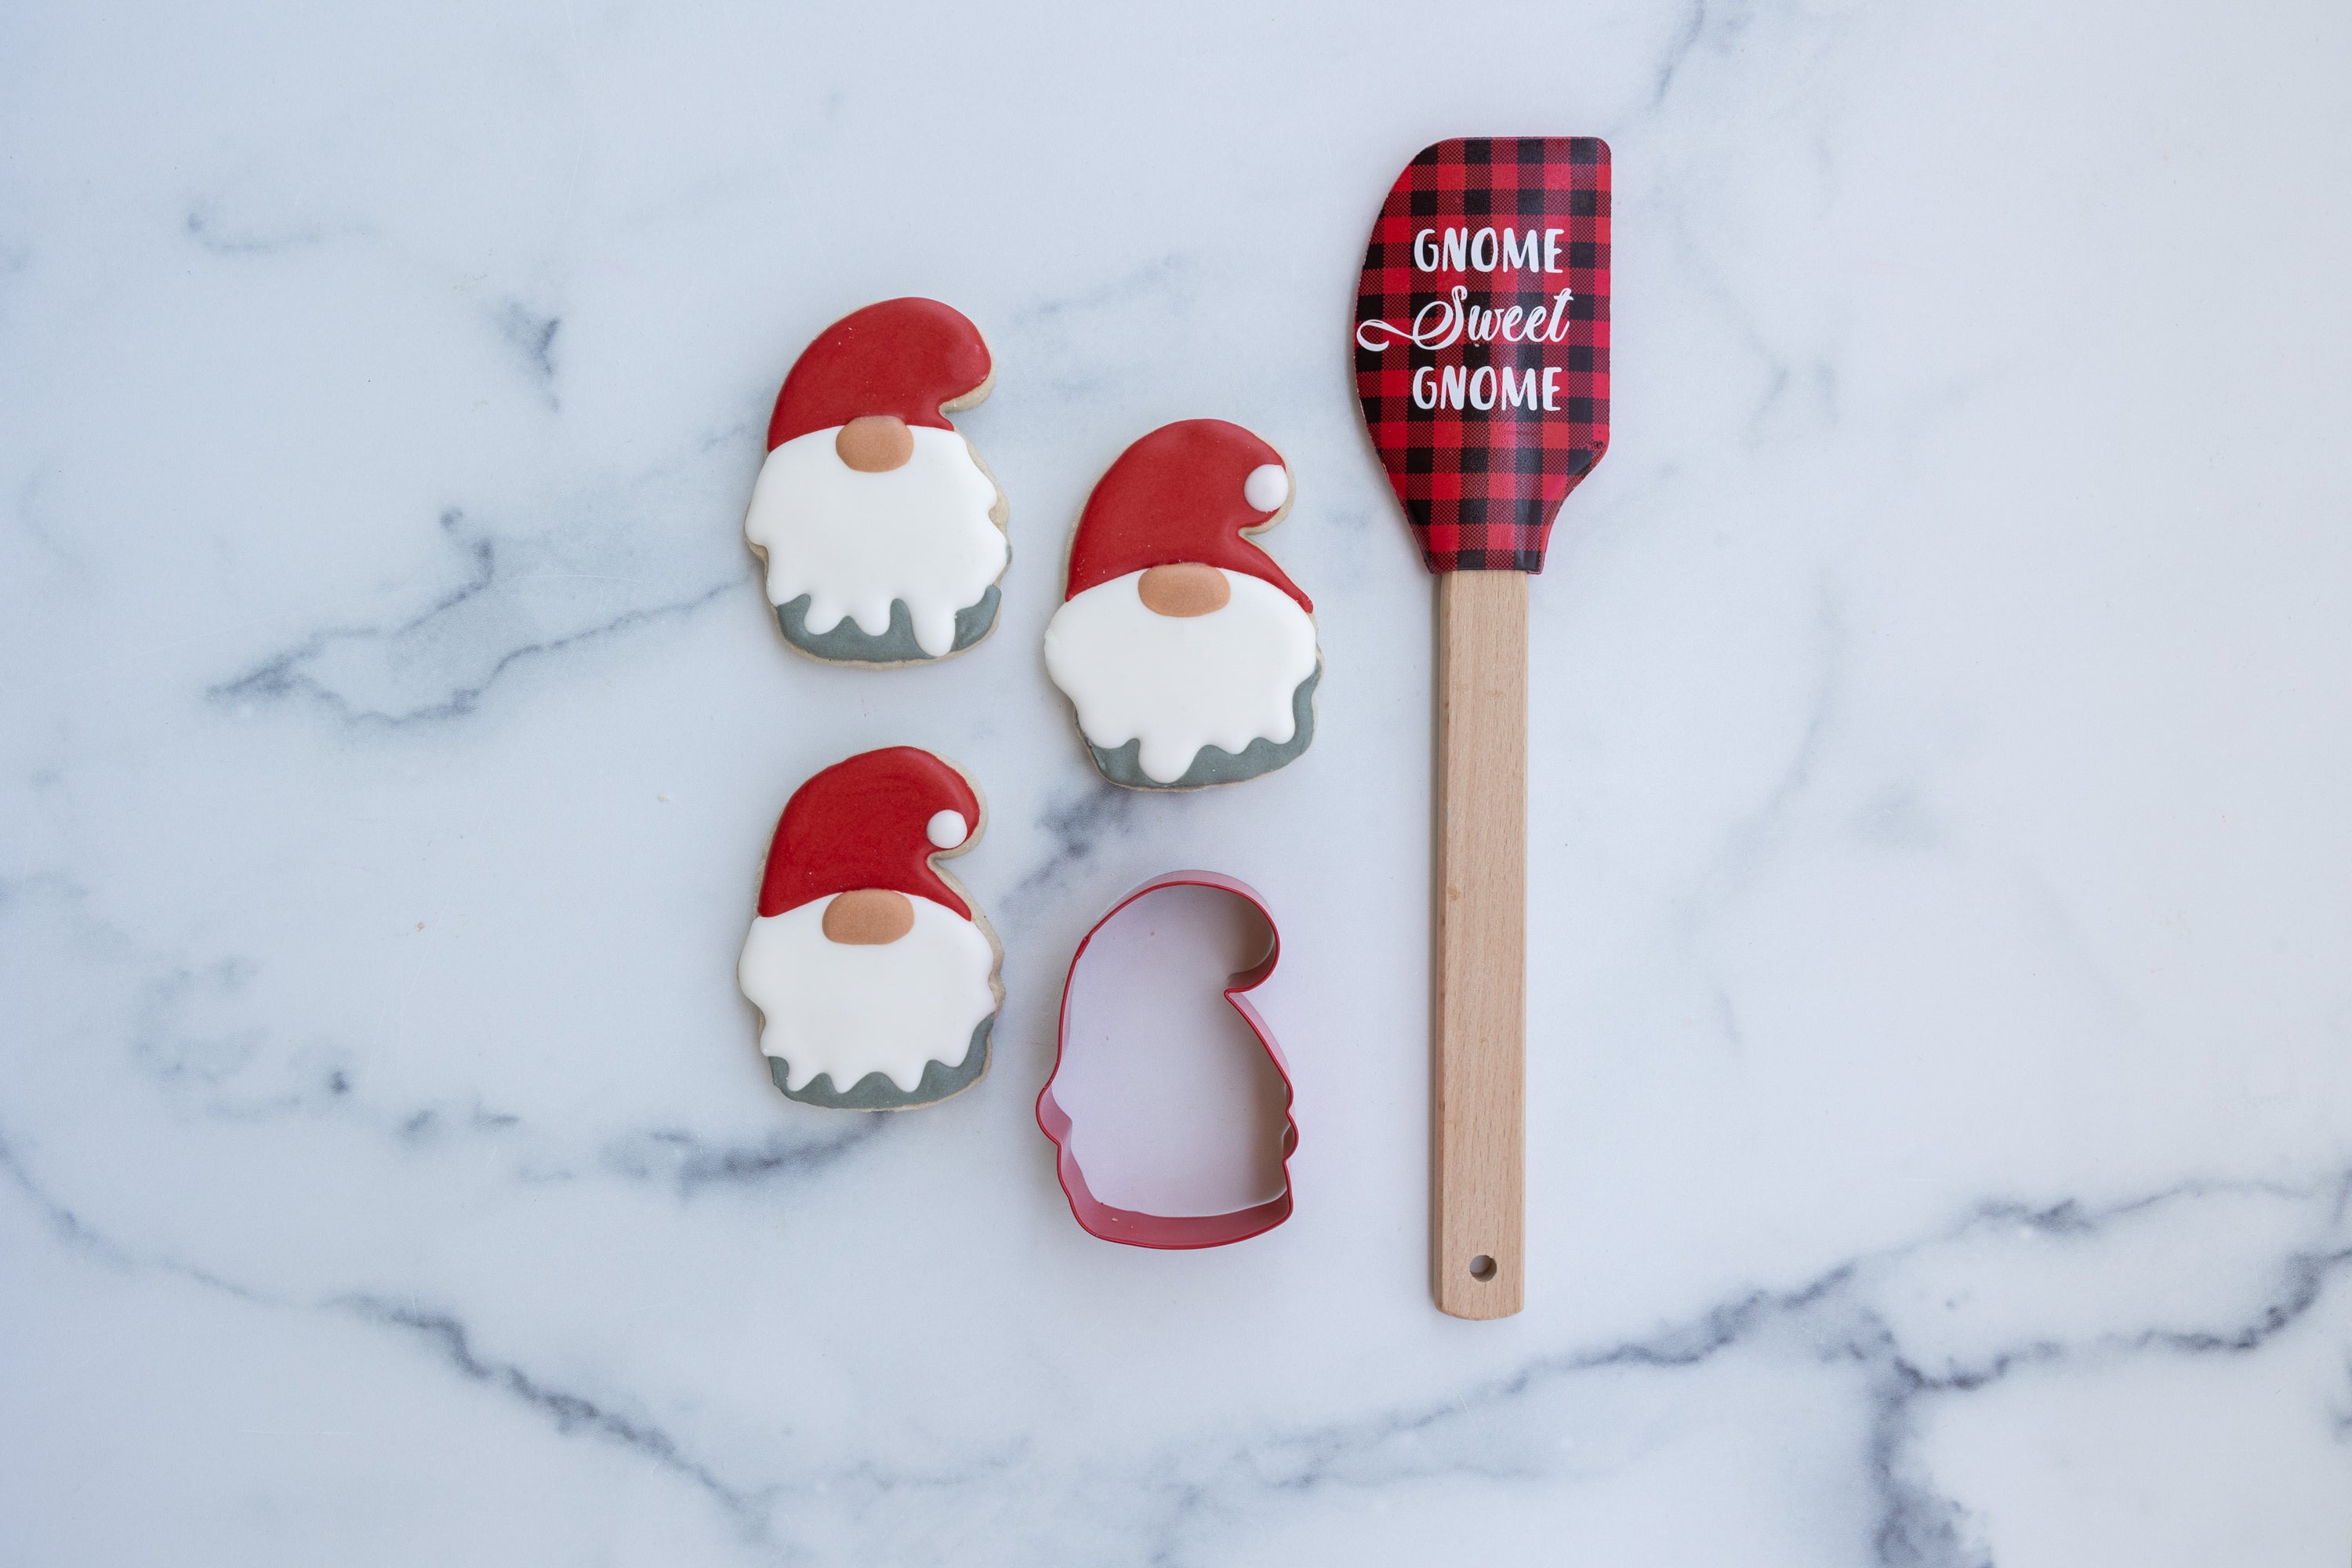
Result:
1178,495
865,823
905,357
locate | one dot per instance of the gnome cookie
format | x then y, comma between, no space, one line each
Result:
875,977
1190,657
884,532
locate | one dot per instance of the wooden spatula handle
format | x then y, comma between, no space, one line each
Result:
1478,1051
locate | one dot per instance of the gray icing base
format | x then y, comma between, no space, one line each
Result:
847,644
874,1091
1215,764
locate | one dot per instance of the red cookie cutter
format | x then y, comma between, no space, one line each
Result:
1173,1232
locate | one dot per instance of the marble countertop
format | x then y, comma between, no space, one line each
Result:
1940,1095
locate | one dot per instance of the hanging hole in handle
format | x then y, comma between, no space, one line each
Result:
1482,1269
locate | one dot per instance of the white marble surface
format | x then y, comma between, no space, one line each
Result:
1941,1115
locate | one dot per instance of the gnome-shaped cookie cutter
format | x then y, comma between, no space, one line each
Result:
1135,1227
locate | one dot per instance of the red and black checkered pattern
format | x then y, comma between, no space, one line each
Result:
1482,485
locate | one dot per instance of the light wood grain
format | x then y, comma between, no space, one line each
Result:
1478,1048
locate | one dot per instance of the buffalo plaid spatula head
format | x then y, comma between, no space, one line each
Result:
1482,341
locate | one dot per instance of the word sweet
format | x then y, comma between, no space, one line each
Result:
1440,322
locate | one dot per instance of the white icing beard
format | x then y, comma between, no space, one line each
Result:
853,542
1180,683
850,1010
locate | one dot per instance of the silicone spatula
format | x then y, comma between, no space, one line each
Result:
1482,359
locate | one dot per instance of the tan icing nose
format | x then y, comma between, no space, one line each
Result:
875,443
1187,588
868,917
